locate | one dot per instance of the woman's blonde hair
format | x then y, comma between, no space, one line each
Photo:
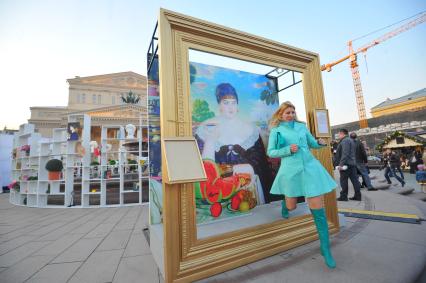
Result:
276,117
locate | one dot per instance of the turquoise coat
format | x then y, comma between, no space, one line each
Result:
300,173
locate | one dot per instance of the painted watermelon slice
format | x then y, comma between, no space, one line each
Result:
213,193
212,170
227,186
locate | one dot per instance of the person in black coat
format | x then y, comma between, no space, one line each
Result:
361,161
390,162
345,162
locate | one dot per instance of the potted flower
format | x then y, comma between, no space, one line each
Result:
26,148
133,165
113,165
54,166
94,170
14,186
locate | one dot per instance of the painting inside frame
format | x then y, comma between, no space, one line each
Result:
232,102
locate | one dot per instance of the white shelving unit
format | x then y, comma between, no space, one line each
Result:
119,181
140,155
55,149
24,165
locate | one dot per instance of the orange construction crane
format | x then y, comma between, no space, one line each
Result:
352,56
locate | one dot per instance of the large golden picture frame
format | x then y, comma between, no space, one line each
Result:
187,258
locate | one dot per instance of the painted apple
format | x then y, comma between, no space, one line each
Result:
235,202
215,209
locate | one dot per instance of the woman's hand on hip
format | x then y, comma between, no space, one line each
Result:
294,148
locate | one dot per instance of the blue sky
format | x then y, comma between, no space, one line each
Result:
43,43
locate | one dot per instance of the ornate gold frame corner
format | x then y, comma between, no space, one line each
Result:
187,258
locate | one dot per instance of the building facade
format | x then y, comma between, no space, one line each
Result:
404,114
411,102
86,94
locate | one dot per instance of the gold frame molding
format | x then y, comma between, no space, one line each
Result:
187,258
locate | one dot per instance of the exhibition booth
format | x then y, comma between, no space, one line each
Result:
211,93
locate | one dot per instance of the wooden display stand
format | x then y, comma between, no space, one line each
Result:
187,258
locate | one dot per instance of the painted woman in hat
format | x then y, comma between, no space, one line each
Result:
228,139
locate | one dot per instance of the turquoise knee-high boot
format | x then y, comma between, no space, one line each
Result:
284,209
322,228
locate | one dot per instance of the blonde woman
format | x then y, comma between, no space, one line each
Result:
300,173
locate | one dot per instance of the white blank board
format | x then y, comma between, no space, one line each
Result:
183,160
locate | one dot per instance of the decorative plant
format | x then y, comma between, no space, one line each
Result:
54,165
14,186
133,164
95,164
32,178
26,148
94,171
112,162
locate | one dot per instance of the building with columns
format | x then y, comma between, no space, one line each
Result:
98,95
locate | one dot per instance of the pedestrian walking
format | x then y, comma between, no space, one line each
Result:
415,159
300,173
390,162
361,162
345,162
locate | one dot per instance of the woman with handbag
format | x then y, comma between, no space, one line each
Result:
300,173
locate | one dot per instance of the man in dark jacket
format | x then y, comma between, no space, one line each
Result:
361,161
344,161
391,161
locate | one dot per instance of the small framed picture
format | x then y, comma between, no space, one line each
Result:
73,129
322,123
183,160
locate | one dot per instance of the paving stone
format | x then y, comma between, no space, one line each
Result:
137,245
79,251
137,269
376,255
115,240
14,243
60,245
99,267
18,254
86,227
404,232
125,225
58,273
419,196
71,226
101,230
47,229
23,270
